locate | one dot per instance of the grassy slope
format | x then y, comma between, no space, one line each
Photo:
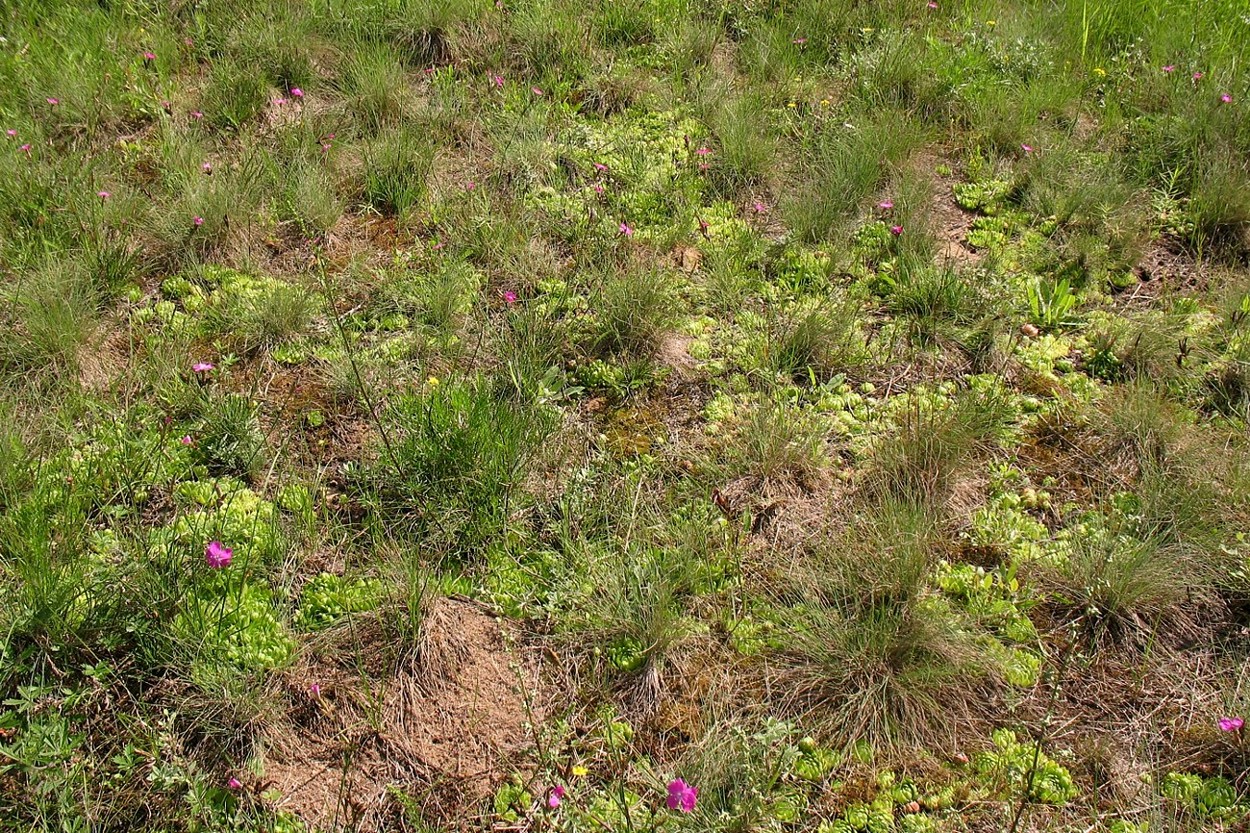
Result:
843,404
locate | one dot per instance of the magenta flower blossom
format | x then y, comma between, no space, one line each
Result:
296,92
197,221
197,115
885,205
682,796
536,91
103,195
1197,76
627,230
509,297
799,41
932,4
25,149
207,167
1226,98
217,555
470,185
758,207
1169,68
279,101
1231,724
1026,148
600,167
314,690
703,151
186,440
202,367
598,188
54,101
234,783
497,80
11,133
166,106
896,230
149,56
557,794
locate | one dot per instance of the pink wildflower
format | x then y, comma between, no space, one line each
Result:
704,151
197,115
509,297
536,91
799,41
627,230
103,195
681,796
207,167
598,188
202,367
497,80
165,105
12,134
279,101
197,221
25,149
932,4
54,101
557,794
896,230
149,56
1226,98
885,205
296,92
1231,724
1169,68
234,783
1197,76
314,690
758,207
470,185
217,555
1026,148
600,167
186,440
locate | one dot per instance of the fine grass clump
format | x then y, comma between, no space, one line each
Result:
847,164
870,651
52,314
745,140
776,442
935,445
374,85
1124,588
235,94
816,341
453,460
230,441
633,312
397,163
311,199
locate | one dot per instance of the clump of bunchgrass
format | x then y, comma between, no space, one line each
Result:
870,651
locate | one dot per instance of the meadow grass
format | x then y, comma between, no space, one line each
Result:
647,415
